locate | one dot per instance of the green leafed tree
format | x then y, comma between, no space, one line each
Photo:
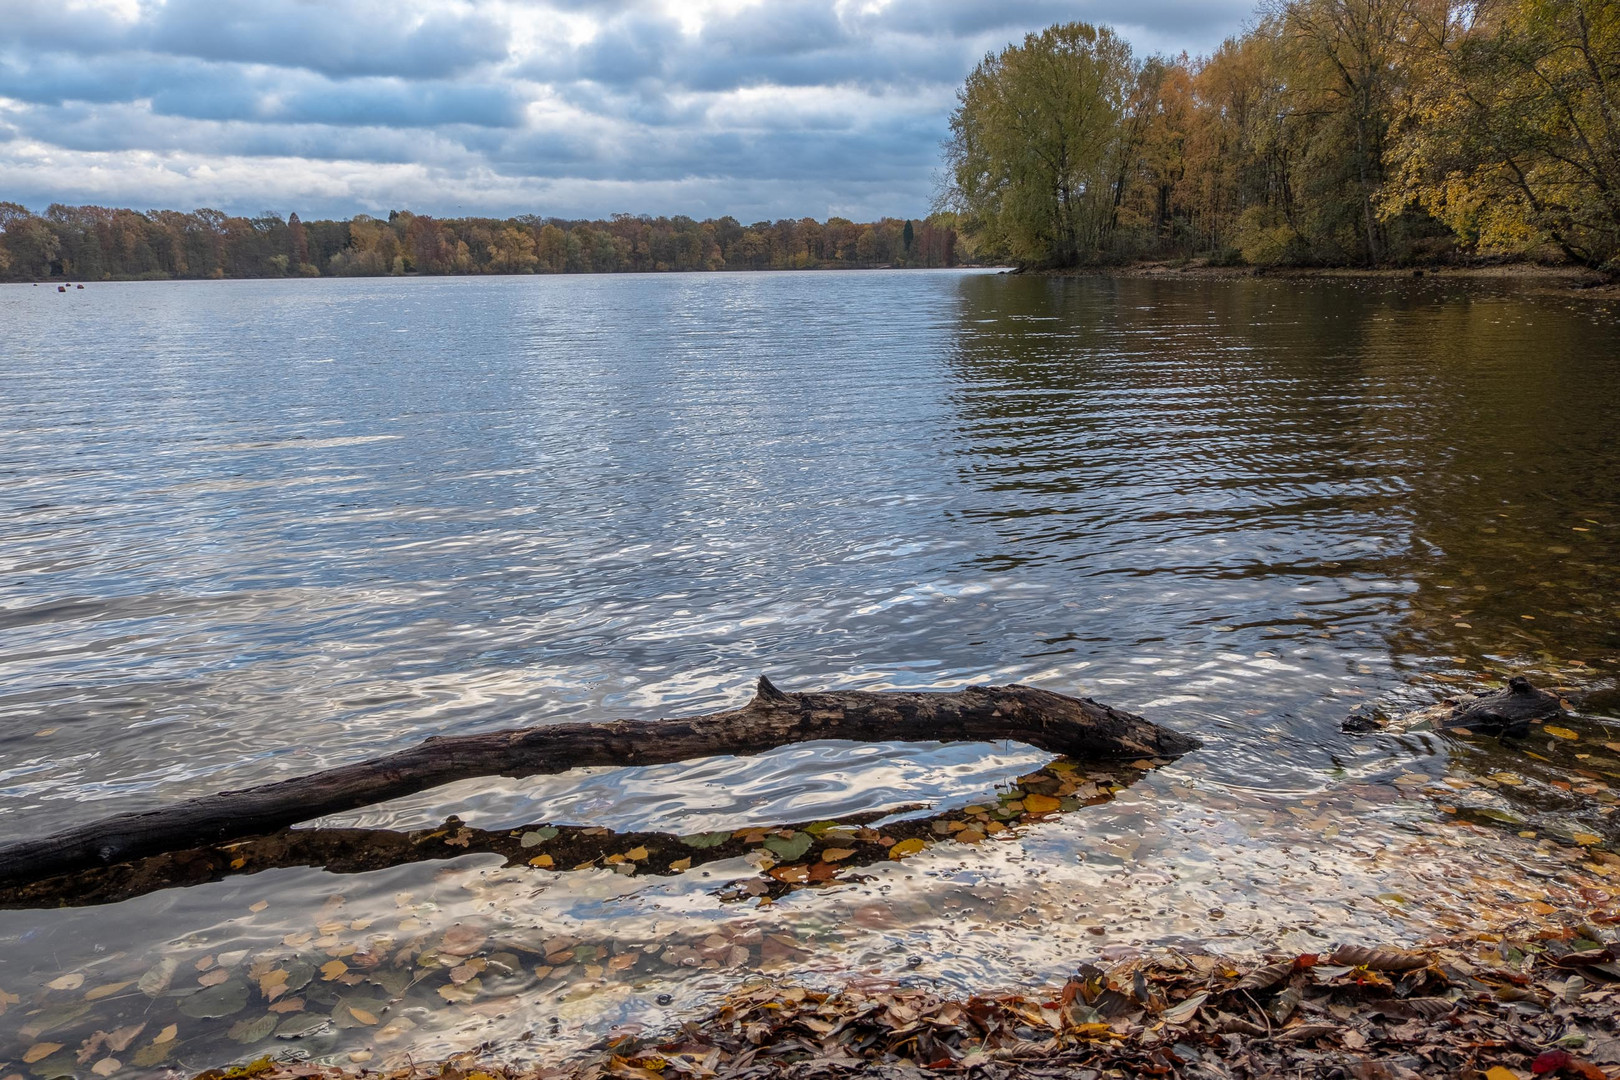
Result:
1036,140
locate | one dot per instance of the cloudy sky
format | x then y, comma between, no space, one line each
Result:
756,108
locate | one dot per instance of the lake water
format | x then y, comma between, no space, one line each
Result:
250,529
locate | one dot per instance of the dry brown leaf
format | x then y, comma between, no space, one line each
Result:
1378,958
39,1052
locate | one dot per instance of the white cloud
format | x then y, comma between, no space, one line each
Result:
569,107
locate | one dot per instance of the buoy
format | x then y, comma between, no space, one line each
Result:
61,288
78,286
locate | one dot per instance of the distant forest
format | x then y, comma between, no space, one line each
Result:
1331,132
96,243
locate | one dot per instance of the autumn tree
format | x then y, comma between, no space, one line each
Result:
1514,136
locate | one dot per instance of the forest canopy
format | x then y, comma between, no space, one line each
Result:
1332,132
98,243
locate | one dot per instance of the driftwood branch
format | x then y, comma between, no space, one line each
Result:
1075,727
804,854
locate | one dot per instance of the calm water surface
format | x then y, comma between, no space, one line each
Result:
249,529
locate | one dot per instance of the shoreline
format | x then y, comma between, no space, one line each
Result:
1563,280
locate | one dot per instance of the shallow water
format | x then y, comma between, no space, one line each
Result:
255,528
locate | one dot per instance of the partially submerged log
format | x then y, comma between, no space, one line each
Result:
802,854
1508,712
1075,727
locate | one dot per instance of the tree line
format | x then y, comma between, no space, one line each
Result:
96,243
1332,132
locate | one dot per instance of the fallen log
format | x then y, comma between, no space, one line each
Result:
1075,727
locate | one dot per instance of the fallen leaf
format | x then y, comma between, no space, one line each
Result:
39,1052
462,940
907,847
66,982
258,907
1041,804
1560,732
1378,959
168,1034
637,854
213,978
366,1018
107,990
1184,1012
789,848
1549,1061
536,837
543,861
1499,1073
836,854
681,865
106,1066
333,969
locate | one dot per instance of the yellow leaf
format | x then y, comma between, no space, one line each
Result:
681,865
1041,804
260,906
40,1051
838,854
1586,839
907,847
366,1018
66,982
1499,1073
238,862
332,970
1561,732
104,991
636,854
106,1066
542,861
168,1034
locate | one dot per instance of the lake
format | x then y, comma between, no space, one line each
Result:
251,529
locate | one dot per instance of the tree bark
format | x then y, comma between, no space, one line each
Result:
1075,727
